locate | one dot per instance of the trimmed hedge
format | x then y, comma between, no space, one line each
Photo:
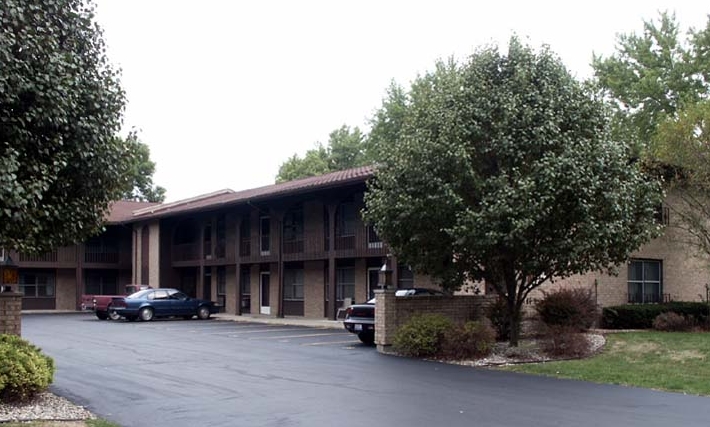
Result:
24,370
641,316
422,335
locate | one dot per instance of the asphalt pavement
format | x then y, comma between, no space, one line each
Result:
265,372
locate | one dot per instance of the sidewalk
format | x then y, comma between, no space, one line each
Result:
247,318
288,320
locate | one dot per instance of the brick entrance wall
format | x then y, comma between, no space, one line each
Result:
391,312
10,313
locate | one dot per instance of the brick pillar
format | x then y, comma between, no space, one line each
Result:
10,313
385,319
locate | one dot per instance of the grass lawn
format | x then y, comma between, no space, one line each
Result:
671,361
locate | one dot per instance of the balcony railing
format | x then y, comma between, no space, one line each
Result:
639,298
101,257
44,257
185,252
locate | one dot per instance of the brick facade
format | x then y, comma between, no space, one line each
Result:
391,312
10,313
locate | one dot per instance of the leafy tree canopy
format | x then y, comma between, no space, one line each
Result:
503,169
346,149
60,108
660,84
654,74
141,187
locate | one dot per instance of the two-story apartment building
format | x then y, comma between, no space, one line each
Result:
297,248
55,280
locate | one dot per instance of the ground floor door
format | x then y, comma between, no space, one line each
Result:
265,282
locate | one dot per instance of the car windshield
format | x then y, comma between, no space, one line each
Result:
140,294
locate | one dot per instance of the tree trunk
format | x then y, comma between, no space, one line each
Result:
514,327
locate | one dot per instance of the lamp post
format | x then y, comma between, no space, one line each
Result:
385,279
9,276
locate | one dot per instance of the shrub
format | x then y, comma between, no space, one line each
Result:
24,370
468,341
498,314
565,341
641,316
422,335
574,308
672,322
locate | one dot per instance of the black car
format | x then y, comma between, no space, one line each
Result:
360,318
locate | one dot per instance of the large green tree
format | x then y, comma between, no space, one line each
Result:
346,149
142,168
504,171
654,74
659,82
60,109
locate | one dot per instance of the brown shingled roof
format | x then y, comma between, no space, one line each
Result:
211,200
122,210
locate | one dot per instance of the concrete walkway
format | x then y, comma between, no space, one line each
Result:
288,320
248,318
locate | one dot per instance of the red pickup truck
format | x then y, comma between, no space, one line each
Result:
100,304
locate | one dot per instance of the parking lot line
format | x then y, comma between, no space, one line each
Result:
331,342
298,336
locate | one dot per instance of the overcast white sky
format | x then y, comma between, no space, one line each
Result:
224,91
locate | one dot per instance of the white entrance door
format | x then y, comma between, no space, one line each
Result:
264,284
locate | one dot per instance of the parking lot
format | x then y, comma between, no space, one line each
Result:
177,373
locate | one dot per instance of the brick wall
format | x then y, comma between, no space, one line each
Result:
391,312
10,313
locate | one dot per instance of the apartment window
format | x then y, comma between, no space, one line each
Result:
373,240
101,282
221,232
207,238
293,230
265,235
245,237
221,281
293,284
405,277
346,220
345,283
245,286
37,284
645,281
662,215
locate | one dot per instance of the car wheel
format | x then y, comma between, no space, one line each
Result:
203,313
367,337
146,314
101,315
112,315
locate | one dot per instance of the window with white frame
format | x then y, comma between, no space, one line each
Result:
645,283
293,284
37,284
345,282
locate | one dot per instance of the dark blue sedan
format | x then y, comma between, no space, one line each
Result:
161,302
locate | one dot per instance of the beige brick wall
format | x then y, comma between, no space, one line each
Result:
254,283
313,289
232,291
361,280
66,289
391,312
154,260
684,270
11,313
